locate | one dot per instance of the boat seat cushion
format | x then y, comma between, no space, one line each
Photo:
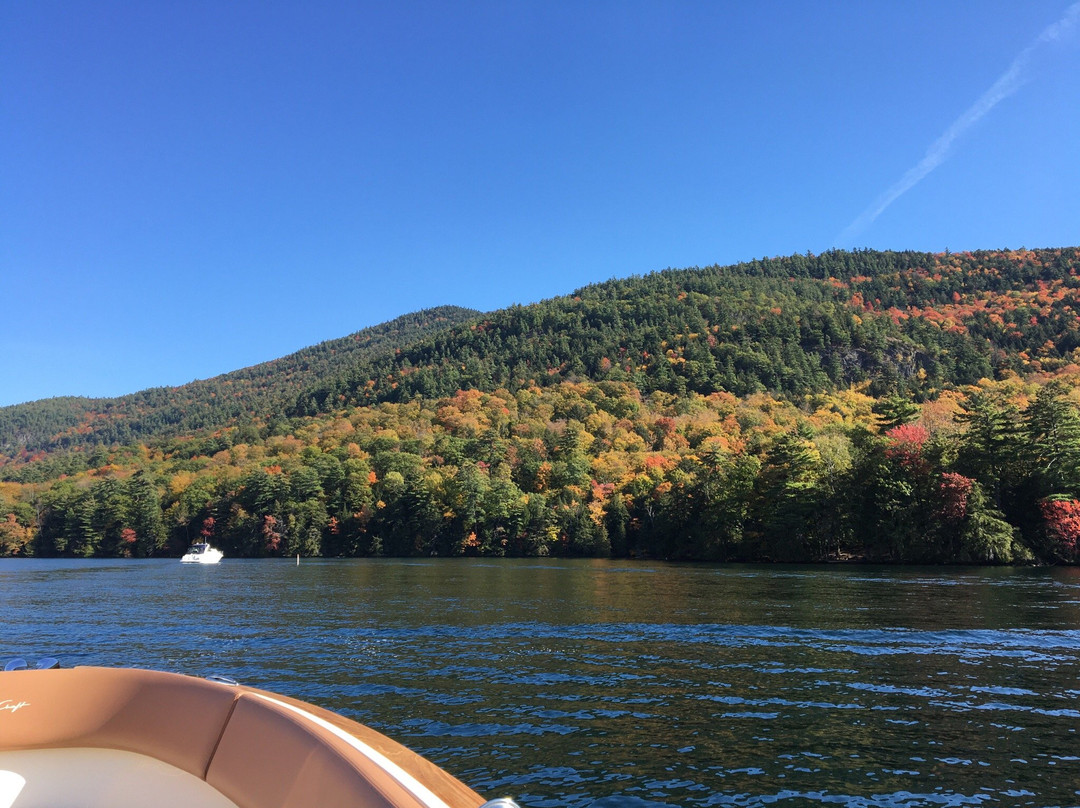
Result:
99,778
177,720
269,756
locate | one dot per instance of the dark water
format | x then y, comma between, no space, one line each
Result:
619,684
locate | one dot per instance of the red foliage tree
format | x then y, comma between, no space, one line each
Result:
271,536
1062,520
955,489
911,435
905,445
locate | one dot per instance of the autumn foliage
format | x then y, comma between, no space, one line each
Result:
1062,519
875,406
955,490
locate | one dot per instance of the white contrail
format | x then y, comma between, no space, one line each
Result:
1005,86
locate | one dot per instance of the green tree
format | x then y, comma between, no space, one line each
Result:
145,516
783,498
1051,428
992,446
986,537
894,411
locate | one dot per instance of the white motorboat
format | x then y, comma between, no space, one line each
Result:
202,553
121,738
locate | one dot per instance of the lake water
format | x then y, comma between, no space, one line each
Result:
596,683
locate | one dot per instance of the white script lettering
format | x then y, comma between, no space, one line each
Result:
8,704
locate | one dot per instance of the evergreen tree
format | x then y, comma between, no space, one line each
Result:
783,498
1051,430
895,411
145,516
992,446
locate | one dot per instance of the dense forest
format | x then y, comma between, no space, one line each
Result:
43,426
855,405
909,323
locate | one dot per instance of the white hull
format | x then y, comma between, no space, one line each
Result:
205,555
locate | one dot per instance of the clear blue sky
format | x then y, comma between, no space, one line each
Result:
191,187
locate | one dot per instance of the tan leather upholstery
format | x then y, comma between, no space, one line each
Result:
176,719
451,790
269,757
257,753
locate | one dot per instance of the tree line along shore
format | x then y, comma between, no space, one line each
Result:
895,407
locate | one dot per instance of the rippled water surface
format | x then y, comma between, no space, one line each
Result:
611,684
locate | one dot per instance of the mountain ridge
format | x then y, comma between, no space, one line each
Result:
903,407
67,421
908,322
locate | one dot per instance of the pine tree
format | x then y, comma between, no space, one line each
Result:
1052,440
895,411
992,446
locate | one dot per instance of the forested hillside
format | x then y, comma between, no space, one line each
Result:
259,391
910,323
870,406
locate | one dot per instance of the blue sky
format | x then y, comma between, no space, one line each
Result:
188,188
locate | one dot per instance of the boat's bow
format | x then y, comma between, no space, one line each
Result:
208,743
